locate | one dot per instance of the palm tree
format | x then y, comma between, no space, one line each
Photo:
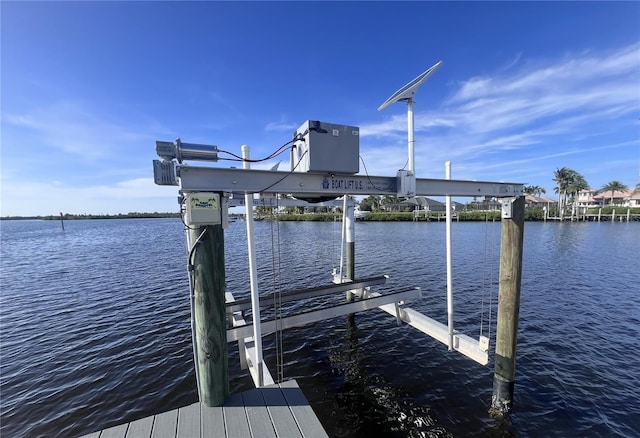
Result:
563,178
388,200
569,183
370,203
578,184
613,186
534,190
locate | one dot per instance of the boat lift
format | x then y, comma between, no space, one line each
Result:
243,183
324,166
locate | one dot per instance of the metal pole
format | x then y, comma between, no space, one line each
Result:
350,232
412,164
343,231
508,307
253,271
449,261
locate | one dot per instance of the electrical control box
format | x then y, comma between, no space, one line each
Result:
327,148
202,208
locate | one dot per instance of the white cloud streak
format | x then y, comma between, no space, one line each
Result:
281,126
540,108
69,128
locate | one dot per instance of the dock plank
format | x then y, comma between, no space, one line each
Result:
235,417
212,421
189,421
305,417
260,424
283,421
274,411
140,428
165,425
115,431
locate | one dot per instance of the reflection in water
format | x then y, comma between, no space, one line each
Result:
366,404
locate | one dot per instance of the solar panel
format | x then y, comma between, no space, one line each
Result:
407,91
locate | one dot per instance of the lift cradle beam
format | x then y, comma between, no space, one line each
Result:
285,297
437,330
237,333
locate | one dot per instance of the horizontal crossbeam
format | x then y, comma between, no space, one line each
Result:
285,297
199,178
233,334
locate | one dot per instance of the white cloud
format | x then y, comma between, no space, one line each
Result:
569,107
281,126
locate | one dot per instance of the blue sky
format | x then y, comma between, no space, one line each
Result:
88,87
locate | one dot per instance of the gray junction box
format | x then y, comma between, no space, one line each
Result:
327,148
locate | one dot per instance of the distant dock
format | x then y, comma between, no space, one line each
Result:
621,216
279,410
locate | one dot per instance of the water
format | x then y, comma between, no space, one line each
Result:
95,327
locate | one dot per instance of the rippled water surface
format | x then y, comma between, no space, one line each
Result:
95,327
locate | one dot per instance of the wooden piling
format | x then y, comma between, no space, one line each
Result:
508,308
209,318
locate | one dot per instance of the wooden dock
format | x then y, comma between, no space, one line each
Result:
279,410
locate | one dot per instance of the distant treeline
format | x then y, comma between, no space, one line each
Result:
530,214
132,215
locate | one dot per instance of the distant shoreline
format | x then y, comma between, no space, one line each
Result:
531,214
134,215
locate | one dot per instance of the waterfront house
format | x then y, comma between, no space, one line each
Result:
623,198
586,198
427,204
538,202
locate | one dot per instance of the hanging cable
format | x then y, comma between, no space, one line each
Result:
193,247
278,151
192,296
277,293
281,179
405,164
274,288
182,210
369,178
